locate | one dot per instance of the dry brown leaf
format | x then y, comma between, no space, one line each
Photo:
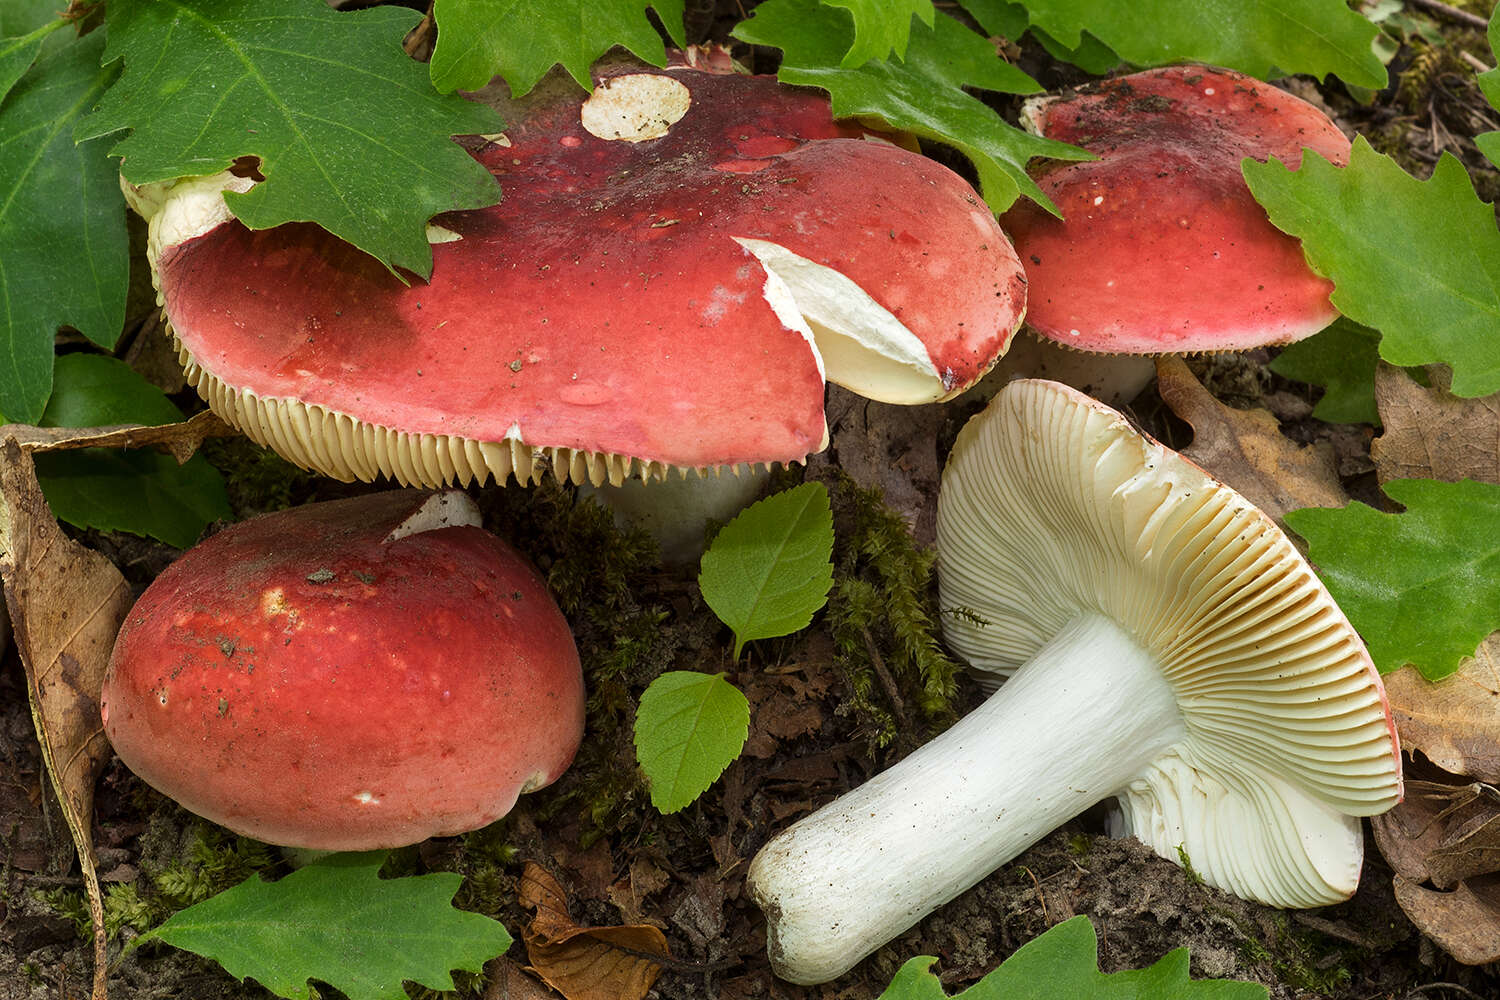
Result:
1246,450
1432,434
586,963
508,981
887,446
1455,722
66,603
1465,922
179,440
1445,831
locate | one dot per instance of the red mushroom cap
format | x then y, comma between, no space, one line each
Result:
1162,248
349,675
647,291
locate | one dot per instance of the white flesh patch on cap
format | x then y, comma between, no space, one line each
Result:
863,347
448,509
438,234
635,107
189,208
1052,506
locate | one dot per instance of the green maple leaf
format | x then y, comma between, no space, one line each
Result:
769,570
64,256
688,728
1422,587
521,41
881,27
347,129
1063,961
923,93
1417,260
337,921
1342,358
1264,38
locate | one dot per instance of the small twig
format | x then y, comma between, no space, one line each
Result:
1464,990
886,680
1478,64
1451,12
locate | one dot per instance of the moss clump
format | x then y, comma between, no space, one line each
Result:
881,615
1303,960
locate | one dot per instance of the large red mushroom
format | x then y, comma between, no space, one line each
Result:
348,675
677,263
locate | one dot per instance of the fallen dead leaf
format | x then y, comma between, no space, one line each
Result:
1432,434
888,446
1444,832
180,440
1246,450
66,603
508,981
586,963
1465,922
1455,722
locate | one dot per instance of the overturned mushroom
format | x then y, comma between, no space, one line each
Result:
1167,646
347,675
1162,248
677,262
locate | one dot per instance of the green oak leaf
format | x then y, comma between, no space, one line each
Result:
141,491
521,41
688,729
337,921
1264,38
1417,260
64,256
769,570
1489,83
347,129
17,53
1421,587
1010,20
1342,359
881,27
923,94
1063,961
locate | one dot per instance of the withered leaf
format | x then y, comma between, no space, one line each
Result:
1432,434
1246,450
1465,922
507,981
66,603
180,440
1455,722
586,963
1444,832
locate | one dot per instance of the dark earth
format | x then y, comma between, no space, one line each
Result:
831,707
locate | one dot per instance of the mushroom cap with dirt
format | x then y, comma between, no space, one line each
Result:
347,675
1166,644
1162,248
677,263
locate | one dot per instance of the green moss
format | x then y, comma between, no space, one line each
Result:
1186,863
1304,960
123,907
257,479
881,614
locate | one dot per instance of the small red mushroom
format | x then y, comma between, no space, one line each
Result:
349,675
1162,248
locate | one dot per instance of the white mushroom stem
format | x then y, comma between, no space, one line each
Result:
1075,724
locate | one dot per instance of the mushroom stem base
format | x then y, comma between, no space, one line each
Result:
1075,724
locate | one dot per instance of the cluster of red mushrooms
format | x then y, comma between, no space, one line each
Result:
680,263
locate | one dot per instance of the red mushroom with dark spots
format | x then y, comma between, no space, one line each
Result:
1162,248
677,263
349,675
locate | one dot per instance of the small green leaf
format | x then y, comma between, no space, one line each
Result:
881,27
688,729
923,94
1421,587
1342,359
769,570
347,129
141,491
1489,83
1417,260
1063,961
521,41
64,256
1266,38
337,921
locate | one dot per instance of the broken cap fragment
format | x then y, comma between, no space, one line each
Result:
1166,645
676,264
1162,248
348,675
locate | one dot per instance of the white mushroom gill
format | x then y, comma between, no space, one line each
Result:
861,345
